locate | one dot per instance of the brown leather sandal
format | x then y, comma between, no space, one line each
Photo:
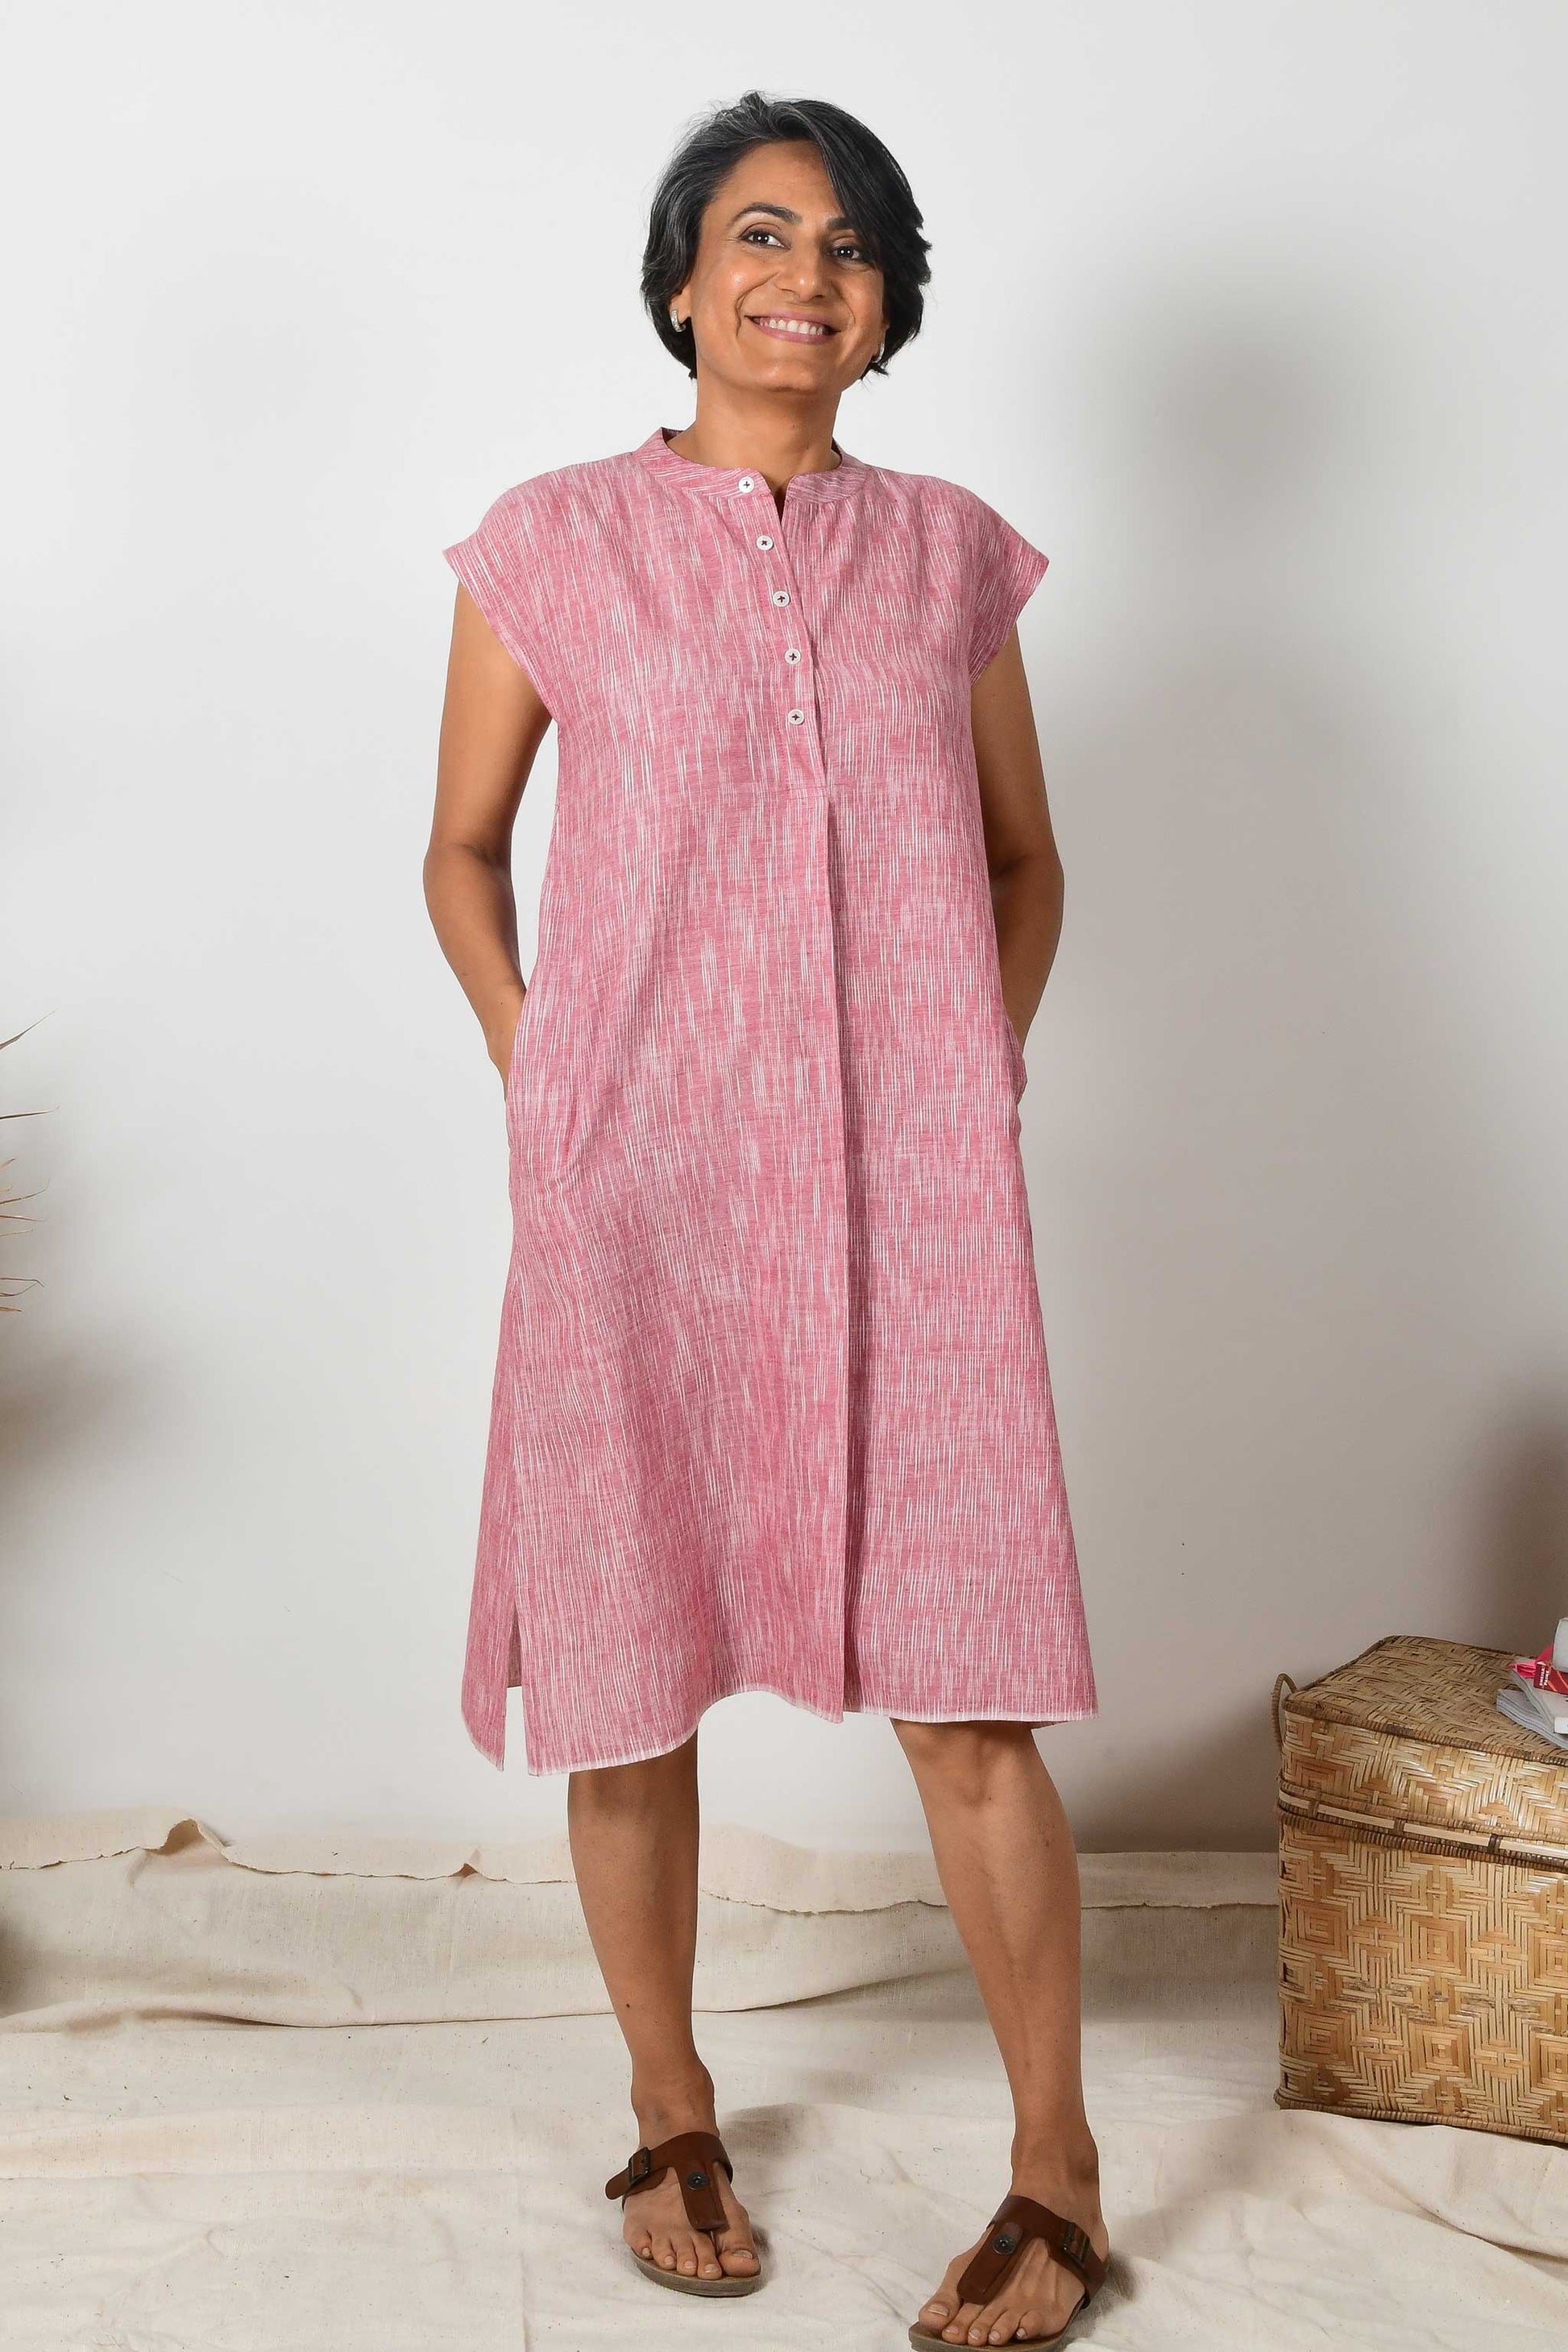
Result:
692,2156
1015,2220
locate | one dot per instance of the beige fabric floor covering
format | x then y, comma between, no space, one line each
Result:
418,2165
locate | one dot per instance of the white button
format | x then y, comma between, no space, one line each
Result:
797,718
792,653
781,595
765,543
746,482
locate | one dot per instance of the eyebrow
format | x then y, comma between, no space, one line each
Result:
783,212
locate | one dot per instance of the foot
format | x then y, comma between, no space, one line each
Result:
654,2222
1036,2295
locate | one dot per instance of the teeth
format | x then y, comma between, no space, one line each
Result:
806,327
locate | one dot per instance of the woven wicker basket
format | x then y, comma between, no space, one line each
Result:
1423,1895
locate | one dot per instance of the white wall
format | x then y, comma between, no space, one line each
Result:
1249,314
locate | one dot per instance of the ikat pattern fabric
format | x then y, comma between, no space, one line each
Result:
772,1409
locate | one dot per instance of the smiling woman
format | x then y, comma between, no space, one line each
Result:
772,1409
872,229
781,294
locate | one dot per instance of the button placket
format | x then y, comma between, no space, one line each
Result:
799,714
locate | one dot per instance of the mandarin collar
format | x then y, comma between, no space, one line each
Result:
727,481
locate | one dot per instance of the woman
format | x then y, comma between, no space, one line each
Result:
772,1409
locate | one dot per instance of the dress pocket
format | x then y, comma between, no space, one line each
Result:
518,1040
1016,1055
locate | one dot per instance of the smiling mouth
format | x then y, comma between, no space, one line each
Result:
790,329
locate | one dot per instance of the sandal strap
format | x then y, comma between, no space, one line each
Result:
1015,2220
693,2156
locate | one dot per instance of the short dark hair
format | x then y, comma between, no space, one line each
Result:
870,187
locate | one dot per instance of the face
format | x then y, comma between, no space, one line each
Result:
782,297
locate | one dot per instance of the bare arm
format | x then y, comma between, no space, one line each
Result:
492,725
1020,848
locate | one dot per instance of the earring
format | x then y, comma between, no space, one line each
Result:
676,322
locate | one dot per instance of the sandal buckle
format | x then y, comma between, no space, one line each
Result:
1075,2243
641,2165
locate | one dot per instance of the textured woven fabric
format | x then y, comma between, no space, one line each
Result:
770,1408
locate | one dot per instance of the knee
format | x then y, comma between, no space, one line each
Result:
646,1786
966,1761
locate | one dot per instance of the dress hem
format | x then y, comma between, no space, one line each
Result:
823,1715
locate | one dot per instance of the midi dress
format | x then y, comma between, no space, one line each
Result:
771,1409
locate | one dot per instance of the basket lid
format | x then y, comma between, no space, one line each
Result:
1407,1738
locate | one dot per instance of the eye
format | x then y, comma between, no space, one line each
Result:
849,251
757,230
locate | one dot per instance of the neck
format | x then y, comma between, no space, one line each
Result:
776,437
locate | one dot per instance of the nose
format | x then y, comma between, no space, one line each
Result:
802,272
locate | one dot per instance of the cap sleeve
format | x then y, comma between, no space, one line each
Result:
507,565
1005,572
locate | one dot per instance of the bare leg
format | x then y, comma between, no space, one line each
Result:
633,1832
1005,1857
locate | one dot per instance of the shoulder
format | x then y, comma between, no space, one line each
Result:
932,497
564,498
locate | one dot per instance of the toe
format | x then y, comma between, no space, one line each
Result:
686,2256
998,2323
940,2310
733,2242
1030,2323
957,2328
707,2257
664,2253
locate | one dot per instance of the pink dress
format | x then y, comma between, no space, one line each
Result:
772,1409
